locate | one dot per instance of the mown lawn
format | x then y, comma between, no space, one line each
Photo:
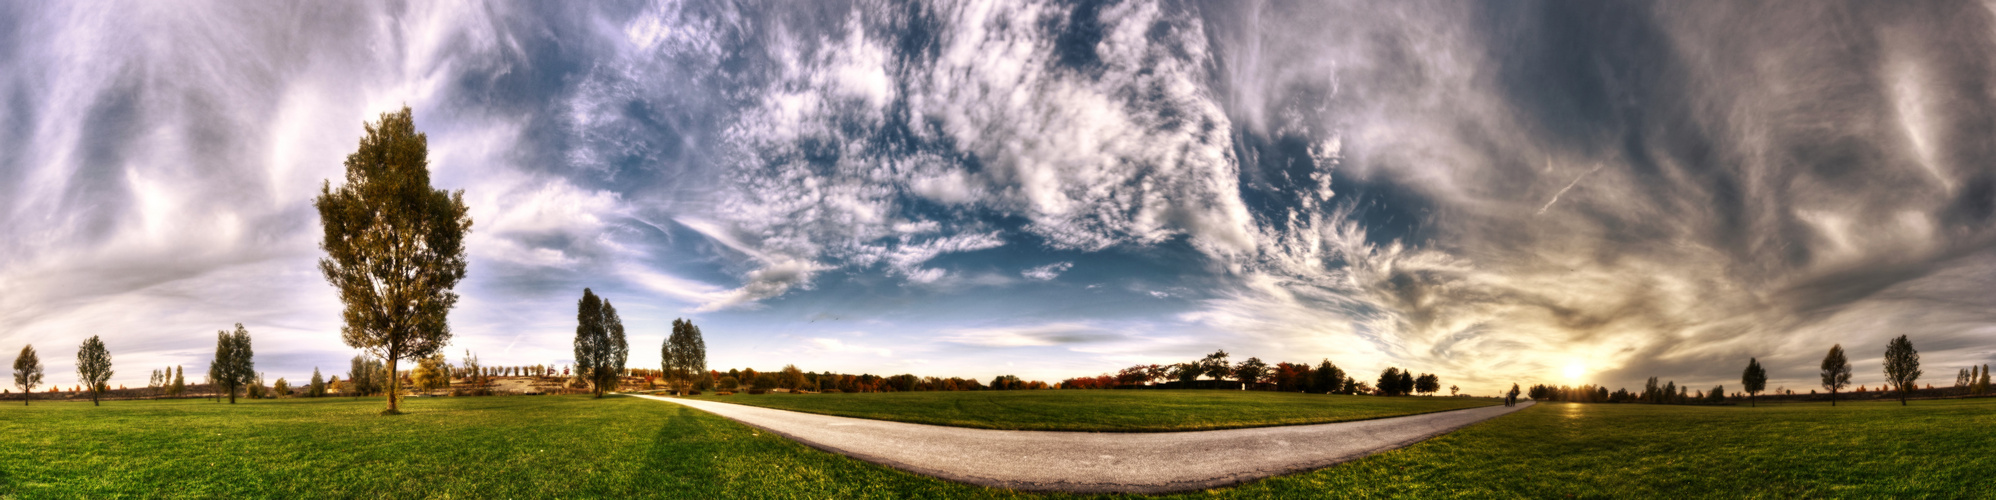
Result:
577,447
493,447
1105,411
1931,449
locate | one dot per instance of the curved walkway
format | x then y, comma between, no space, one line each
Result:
1090,462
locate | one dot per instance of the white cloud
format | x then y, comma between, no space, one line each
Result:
1047,272
1049,334
840,346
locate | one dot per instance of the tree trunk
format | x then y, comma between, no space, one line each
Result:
93,398
394,387
232,395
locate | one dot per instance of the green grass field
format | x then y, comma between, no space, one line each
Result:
1105,411
494,447
1932,449
576,447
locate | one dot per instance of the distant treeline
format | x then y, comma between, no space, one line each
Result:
790,378
1901,366
1255,374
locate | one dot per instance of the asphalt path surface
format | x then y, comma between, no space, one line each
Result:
1095,462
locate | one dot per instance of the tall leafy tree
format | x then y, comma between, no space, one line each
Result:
1215,365
1389,381
235,362
1427,383
93,367
600,347
1251,372
611,373
1755,380
364,374
394,247
27,372
1902,366
179,381
431,373
1836,371
318,387
685,353
1982,385
1327,378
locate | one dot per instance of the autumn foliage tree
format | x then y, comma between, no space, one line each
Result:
394,246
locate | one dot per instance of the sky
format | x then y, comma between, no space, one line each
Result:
1494,192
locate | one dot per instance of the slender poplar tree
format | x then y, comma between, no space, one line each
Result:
611,371
318,387
394,247
593,346
179,381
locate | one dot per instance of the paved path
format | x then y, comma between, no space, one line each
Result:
1092,462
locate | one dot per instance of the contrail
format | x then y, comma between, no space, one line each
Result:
1569,186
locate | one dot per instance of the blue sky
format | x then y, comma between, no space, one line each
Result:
1494,192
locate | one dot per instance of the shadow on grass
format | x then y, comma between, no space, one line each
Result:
676,455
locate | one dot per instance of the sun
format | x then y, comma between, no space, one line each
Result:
1575,370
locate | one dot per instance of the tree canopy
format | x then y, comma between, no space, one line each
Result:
93,367
684,353
1836,371
27,372
234,366
1754,380
394,246
1902,366
600,347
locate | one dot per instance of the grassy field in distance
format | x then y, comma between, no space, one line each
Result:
1105,410
574,446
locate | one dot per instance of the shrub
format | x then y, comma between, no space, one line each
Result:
830,391
758,390
692,392
724,393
